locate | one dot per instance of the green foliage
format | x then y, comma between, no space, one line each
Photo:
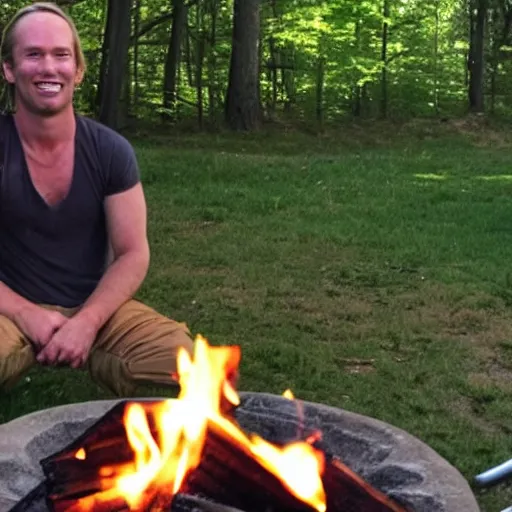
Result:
315,56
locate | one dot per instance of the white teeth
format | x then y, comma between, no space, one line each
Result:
49,87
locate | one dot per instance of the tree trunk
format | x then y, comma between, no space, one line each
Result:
499,39
212,60
288,77
320,78
201,44
104,59
273,72
282,66
356,88
384,60
243,109
436,59
136,28
188,54
114,60
172,60
126,93
477,20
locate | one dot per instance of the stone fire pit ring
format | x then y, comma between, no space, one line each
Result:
388,458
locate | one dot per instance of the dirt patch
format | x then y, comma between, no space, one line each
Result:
467,321
464,407
485,330
480,130
476,319
496,370
348,311
449,313
177,269
161,231
241,297
347,307
354,366
432,311
497,377
353,309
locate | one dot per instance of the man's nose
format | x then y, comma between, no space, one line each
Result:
47,64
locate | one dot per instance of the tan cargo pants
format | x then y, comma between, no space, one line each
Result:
136,345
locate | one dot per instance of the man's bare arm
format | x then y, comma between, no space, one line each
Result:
126,223
11,303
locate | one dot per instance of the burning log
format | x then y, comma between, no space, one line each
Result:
227,474
37,501
230,475
149,456
346,491
70,477
223,464
76,470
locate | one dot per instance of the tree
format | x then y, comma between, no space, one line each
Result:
384,58
501,25
179,23
477,21
242,108
114,60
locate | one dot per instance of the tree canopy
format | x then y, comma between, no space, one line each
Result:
308,60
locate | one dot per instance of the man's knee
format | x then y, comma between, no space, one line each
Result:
134,322
138,345
16,354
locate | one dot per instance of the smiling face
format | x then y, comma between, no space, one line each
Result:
44,68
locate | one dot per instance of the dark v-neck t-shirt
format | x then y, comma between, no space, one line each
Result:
57,254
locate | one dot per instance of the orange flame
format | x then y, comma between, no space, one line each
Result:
289,394
182,424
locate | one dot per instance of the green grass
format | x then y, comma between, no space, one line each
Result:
370,276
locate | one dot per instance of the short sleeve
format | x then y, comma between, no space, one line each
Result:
123,169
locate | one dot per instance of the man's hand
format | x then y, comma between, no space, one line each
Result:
39,324
70,344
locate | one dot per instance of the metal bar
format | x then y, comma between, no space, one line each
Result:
494,475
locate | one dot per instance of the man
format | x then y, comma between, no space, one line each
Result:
69,191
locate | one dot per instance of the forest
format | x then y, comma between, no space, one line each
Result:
242,63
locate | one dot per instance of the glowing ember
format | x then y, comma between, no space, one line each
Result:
288,394
161,466
80,454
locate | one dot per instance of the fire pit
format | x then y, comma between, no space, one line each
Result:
372,466
388,458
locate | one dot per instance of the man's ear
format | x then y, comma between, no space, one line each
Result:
79,76
8,72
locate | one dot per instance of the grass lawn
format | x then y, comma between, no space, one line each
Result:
373,274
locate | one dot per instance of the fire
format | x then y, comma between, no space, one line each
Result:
80,454
289,394
161,466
